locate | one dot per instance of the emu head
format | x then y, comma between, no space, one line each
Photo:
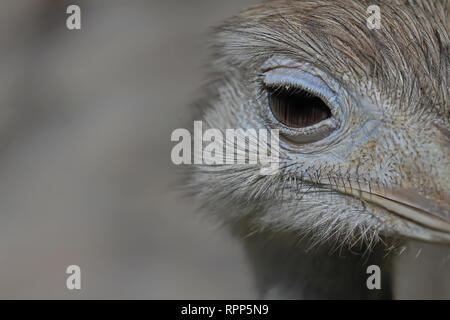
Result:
363,118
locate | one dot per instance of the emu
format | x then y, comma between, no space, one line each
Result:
364,122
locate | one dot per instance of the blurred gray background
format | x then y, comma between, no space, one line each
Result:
85,170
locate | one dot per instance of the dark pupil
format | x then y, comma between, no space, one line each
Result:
297,108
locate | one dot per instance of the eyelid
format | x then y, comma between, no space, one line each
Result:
289,76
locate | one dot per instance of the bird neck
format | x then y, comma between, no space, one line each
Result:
284,269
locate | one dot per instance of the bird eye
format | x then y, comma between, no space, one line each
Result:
299,103
297,108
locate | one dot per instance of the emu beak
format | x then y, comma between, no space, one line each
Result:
423,213
426,220
418,205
